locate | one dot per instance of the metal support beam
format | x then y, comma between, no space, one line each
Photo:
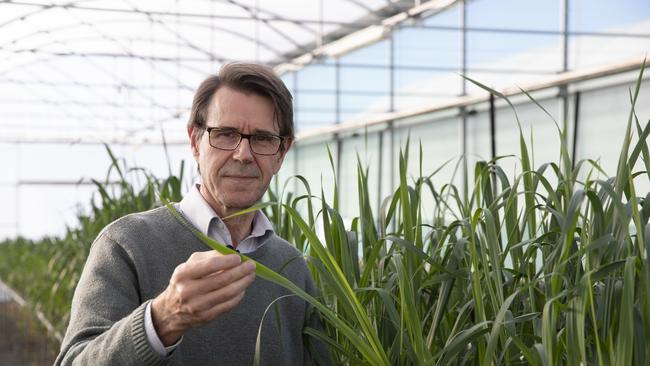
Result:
380,149
458,102
391,70
339,141
463,92
576,120
274,18
391,108
564,24
538,32
493,143
348,41
296,101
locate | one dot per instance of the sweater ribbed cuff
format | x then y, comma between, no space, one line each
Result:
145,353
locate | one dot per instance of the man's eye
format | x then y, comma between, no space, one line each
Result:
263,138
226,135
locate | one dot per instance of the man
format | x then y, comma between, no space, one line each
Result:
152,293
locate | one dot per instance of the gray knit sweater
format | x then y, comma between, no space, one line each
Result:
131,262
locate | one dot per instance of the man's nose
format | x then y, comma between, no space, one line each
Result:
243,152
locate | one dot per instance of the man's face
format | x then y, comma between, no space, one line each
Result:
234,180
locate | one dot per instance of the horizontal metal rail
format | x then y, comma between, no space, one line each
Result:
543,83
546,83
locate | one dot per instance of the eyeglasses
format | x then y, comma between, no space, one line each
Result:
229,139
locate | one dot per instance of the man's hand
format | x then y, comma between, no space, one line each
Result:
201,289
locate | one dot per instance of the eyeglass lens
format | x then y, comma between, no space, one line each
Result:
263,144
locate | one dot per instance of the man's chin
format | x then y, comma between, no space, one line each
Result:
240,203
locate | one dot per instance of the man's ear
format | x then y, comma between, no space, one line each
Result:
288,143
194,133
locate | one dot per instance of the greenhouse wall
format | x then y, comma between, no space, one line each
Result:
603,109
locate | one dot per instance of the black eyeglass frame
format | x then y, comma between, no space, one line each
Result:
244,136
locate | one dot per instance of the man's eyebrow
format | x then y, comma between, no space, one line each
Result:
256,131
225,128
264,132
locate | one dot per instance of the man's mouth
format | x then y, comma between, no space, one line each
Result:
241,176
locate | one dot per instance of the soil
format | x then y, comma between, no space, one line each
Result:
22,340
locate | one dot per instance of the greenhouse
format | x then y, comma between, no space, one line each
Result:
461,182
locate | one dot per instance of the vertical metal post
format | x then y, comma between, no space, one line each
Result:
380,149
296,96
337,101
493,143
391,90
212,33
296,100
564,8
463,45
564,24
463,111
257,30
321,25
391,70
337,88
576,119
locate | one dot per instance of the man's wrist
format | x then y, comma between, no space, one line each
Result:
163,328
153,337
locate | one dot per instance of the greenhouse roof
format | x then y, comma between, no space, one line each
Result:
120,71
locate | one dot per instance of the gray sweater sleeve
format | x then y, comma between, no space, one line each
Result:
107,316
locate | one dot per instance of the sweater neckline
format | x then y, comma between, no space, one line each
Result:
256,254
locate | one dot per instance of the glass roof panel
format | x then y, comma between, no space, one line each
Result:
117,70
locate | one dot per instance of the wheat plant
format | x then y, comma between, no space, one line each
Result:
548,266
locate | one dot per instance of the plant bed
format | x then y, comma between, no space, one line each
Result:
23,341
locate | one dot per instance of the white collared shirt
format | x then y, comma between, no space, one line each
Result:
199,213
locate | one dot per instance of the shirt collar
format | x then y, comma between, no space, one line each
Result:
199,213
